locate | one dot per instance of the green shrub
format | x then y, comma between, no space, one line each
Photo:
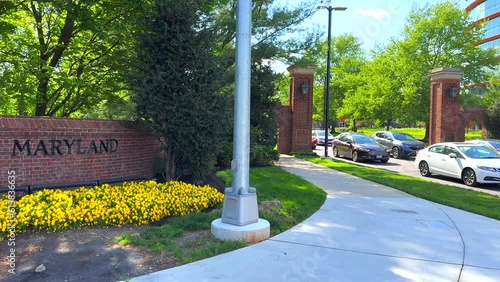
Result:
263,155
225,155
299,154
492,120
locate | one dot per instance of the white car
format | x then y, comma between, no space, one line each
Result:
320,136
473,163
491,143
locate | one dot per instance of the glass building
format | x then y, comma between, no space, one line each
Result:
489,10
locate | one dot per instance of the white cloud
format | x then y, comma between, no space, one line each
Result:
375,13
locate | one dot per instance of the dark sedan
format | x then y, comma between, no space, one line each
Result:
360,147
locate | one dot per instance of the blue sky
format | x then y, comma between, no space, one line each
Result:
372,21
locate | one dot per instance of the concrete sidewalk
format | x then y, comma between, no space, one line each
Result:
363,232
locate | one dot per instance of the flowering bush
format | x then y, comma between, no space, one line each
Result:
105,205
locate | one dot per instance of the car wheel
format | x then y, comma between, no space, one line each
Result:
335,152
355,156
469,177
395,152
424,168
384,161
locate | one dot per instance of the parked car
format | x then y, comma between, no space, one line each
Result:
402,145
360,147
314,142
320,136
344,133
473,163
490,143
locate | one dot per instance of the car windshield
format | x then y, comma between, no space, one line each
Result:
360,139
403,137
495,144
479,152
487,145
322,134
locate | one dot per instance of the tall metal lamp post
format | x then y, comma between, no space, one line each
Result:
240,213
327,92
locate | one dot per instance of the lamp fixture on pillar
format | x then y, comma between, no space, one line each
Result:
304,88
453,92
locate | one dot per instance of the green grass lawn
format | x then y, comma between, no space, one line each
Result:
467,200
299,199
418,133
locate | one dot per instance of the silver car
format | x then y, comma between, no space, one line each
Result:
402,145
320,136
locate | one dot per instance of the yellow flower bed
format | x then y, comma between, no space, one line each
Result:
105,205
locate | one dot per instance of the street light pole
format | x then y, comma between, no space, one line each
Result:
327,92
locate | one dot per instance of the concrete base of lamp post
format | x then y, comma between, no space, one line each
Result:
251,233
240,209
240,219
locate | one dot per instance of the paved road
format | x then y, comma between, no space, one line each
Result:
407,167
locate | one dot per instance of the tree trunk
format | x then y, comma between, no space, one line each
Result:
41,93
388,124
426,136
170,165
354,127
49,57
333,123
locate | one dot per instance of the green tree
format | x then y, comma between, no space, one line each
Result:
283,88
6,7
493,120
347,58
273,26
436,36
378,89
69,58
62,57
492,93
176,86
470,99
263,104
277,33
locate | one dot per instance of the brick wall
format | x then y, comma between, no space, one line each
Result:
445,123
471,115
285,130
64,150
302,111
296,118
444,120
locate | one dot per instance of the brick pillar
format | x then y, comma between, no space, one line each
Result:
444,119
285,130
301,106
